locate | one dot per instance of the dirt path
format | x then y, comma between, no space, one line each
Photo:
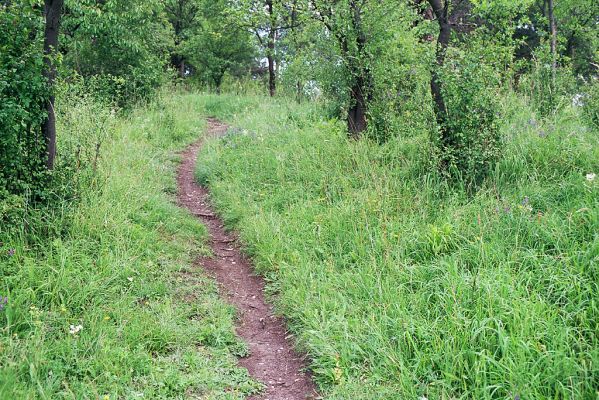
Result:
272,359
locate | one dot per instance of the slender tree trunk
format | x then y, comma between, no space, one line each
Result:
553,30
356,117
270,51
52,10
182,68
361,91
440,11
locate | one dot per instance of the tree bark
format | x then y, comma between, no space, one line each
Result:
52,10
361,91
356,117
553,44
441,12
182,68
270,51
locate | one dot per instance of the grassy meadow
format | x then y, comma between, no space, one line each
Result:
400,286
102,299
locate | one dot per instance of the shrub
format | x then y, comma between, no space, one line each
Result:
472,118
22,97
590,104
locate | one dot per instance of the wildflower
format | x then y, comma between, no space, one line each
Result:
542,134
590,177
422,398
73,330
525,201
11,252
106,318
532,122
3,302
130,279
578,100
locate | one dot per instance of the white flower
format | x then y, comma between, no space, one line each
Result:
422,398
130,279
578,100
73,330
591,177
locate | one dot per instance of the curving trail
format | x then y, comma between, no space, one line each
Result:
272,359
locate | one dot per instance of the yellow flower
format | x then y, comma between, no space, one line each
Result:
106,318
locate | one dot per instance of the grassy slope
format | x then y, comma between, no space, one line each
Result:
399,288
118,263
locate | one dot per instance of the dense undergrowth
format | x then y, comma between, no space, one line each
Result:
99,297
401,287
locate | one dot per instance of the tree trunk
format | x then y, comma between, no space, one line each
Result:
182,68
52,10
361,91
441,13
270,51
272,79
553,30
356,117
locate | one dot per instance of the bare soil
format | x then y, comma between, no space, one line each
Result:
272,359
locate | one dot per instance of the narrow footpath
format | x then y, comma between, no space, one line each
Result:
272,359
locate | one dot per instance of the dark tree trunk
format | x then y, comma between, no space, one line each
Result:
270,51
52,10
356,117
361,91
441,13
553,30
182,68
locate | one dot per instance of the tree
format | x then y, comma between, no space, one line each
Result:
52,12
440,10
553,32
217,44
344,21
268,20
182,15
121,45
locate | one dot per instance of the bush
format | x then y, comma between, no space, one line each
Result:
469,90
22,97
590,104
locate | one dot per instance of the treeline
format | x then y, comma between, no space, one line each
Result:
388,67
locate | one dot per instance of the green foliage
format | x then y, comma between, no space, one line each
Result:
22,96
218,46
109,42
103,301
548,91
590,104
399,287
472,139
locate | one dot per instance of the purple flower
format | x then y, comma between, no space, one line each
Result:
525,201
542,134
3,302
517,397
11,252
532,122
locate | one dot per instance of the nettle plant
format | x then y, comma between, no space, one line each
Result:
471,142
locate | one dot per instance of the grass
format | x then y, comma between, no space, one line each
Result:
400,287
103,300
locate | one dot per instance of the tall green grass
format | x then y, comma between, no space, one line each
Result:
103,300
401,287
